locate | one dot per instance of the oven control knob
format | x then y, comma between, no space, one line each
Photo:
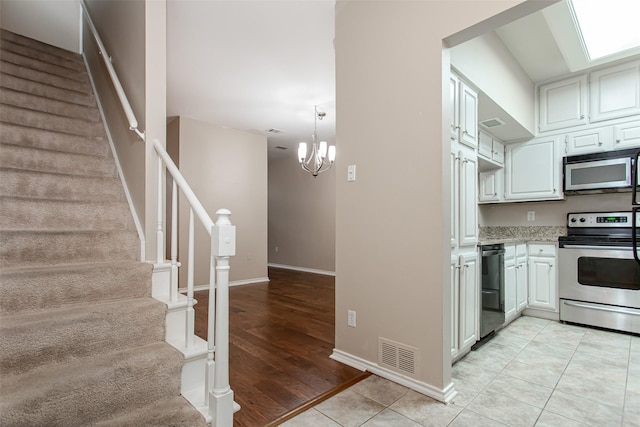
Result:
574,220
582,219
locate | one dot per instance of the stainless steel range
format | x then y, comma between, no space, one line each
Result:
599,279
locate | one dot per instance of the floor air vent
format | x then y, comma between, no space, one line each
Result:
398,357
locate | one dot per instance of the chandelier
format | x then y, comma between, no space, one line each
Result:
319,160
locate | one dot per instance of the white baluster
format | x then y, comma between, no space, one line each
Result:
211,325
160,232
190,312
174,242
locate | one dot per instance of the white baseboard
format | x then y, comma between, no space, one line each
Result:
445,395
205,287
304,269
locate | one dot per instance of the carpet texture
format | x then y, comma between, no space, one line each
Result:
81,339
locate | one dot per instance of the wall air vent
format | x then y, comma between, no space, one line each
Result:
280,147
491,123
274,130
398,357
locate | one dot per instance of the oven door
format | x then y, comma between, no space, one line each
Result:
599,274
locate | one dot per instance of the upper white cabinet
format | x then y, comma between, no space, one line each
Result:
490,185
468,200
563,104
490,148
532,170
463,102
626,135
615,92
589,141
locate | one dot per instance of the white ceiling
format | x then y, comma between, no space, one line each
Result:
255,65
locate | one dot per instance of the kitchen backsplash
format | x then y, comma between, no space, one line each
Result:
522,233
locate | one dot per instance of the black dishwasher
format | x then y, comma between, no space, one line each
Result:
492,314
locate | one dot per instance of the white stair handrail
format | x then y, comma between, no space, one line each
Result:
126,106
218,393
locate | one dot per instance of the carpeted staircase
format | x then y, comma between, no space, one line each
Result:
81,339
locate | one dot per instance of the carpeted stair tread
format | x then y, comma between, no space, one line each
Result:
46,90
39,160
50,140
20,59
47,105
37,119
38,45
58,335
83,392
40,248
19,213
57,61
41,185
173,412
30,289
26,73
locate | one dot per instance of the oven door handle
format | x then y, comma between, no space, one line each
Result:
603,308
617,248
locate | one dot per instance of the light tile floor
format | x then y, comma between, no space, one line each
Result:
535,372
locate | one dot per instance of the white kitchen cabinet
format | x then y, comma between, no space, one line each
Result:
468,115
626,135
615,92
455,306
490,185
468,311
490,148
463,111
589,141
468,164
464,301
532,170
455,195
563,104
522,292
510,286
543,283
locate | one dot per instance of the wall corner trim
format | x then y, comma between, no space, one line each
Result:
445,395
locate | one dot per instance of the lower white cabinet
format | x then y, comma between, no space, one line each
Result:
515,280
464,301
543,283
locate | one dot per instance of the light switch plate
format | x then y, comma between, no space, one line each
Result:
351,173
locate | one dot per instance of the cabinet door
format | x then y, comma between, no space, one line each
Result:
615,92
455,197
510,290
468,300
455,304
563,104
627,135
468,116
485,145
521,283
542,283
532,170
490,186
454,109
468,199
589,141
498,152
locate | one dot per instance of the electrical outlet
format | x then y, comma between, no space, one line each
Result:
276,249
351,318
531,215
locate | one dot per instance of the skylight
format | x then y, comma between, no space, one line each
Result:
607,27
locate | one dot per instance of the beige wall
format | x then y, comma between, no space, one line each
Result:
51,21
226,168
551,213
114,21
392,243
301,216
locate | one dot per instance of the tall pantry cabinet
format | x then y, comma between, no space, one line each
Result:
464,216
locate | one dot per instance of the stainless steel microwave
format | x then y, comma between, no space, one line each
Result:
609,171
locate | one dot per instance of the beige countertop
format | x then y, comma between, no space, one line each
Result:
520,234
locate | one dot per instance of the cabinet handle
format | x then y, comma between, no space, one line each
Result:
495,194
464,132
599,142
617,141
581,116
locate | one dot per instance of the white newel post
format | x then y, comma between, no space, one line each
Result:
223,246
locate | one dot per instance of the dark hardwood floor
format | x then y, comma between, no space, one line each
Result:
281,336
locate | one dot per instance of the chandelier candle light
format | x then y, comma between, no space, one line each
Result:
319,160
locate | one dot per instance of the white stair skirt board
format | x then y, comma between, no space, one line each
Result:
304,269
445,395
